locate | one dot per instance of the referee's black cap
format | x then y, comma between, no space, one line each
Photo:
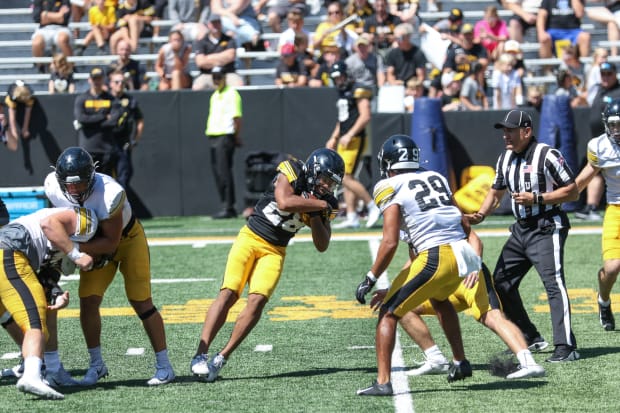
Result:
515,119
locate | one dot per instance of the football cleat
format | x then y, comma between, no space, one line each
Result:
93,374
537,344
377,390
459,372
200,365
524,372
60,378
348,223
38,388
163,375
15,371
215,365
606,317
373,216
430,367
563,353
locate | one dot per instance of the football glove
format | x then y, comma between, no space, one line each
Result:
364,287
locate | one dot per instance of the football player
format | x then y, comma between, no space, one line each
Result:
121,246
300,194
28,244
419,203
349,140
476,292
604,156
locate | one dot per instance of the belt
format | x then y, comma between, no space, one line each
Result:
533,220
129,225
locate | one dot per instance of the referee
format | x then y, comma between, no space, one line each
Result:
538,181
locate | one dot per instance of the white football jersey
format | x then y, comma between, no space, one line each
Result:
107,197
604,154
429,218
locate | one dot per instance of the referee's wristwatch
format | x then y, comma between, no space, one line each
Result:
539,199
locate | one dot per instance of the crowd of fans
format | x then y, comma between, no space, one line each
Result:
380,41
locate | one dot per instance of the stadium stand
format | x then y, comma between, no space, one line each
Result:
258,68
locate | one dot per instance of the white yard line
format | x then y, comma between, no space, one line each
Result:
403,402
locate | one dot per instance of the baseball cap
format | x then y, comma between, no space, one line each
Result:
607,67
450,77
361,39
512,46
96,72
455,14
287,50
467,28
515,119
214,17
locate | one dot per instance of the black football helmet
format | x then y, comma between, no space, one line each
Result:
339,75
324,167
611,120
398,152
75,166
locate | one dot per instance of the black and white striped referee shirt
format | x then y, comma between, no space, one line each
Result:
539,168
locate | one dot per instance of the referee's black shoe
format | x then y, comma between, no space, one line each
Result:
607,317
459,372
563,353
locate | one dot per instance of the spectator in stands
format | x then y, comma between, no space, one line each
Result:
215,49
414,89
534,98
92,112
512,47
279,9
362,9
491,32
406,10
78,9
239,19
566,87
53,19
134,19
570,62
608,90
19,97
102,19
593,73
462,53
507,86
321,77
330,33
366,67
61,75
405,60
188,18
451,91
290,71
451,27
127,130
610,16
295,21
380,27
172,65
134,72
559,22
160,7
305,55
524,17
473,95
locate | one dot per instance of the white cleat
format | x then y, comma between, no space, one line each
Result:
38,388
93,374
373,216
524,372
215,365
347,223
430,367
163,375
200,365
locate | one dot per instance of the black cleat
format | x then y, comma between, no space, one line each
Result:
377,390
606,316
563,353
537,344
459,372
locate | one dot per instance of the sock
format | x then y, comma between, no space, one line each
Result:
371,205
32,367
52,361
434,353
525,358
352,216
456,362
95,356
604,303
161,358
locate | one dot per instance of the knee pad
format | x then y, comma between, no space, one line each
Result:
147,313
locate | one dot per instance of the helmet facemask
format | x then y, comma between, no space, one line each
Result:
612,128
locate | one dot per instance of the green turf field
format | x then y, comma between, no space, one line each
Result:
321,339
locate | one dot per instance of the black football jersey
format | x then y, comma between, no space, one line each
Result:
267,221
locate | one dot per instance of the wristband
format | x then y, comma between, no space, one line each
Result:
371,276
75,253
535,195
541,200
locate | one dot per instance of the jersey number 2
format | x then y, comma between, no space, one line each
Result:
431,194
